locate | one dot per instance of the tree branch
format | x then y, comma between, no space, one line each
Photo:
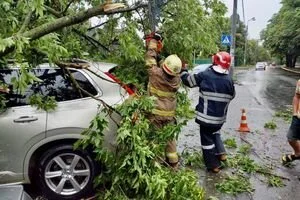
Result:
109,108
53,12
72,20
26,22
67,7
102,23
90,39
142,22
69,21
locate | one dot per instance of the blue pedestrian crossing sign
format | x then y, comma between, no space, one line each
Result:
226,40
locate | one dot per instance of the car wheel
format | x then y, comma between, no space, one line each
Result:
65,173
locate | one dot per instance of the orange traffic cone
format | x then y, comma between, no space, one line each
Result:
244,126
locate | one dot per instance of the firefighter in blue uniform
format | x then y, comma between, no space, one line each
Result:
216,90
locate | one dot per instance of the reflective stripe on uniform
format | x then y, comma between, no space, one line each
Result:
172,157
210,119
205,105
214,98
163,113
150,61
190,78
219,95
183,73
208,146
161,93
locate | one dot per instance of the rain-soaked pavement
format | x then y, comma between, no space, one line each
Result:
261,93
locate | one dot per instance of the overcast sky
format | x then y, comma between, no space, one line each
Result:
262,10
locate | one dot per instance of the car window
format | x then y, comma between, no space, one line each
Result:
54,83
57,83
5,78
15,97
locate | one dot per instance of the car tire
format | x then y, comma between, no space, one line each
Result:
65,173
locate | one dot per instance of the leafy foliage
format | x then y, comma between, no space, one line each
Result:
24,79
193,159
234,185
285,114
192,25
230,143
244,163
270,125
275,181
282,33
46,103
244,149
134,168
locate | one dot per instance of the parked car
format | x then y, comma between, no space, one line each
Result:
200,68
260,66
37,146
13,192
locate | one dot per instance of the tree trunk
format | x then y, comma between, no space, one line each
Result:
289,60
294,61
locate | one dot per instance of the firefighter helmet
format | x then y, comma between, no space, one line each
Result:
172,65
221,62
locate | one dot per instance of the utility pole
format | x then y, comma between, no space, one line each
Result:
246,38
154,7
233,33
152,15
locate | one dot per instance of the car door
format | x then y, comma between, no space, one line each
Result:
74,109
21,127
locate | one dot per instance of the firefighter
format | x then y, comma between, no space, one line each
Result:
216,90
164,81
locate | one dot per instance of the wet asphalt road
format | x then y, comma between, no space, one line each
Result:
261,93
275,87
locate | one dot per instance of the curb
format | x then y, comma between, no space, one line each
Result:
290,70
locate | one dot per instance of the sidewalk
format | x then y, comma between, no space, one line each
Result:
293,70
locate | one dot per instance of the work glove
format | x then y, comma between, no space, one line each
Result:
184,66
157,37
154,35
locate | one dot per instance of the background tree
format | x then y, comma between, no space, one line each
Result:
282,35
256,52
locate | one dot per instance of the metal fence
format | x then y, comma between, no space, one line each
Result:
202,61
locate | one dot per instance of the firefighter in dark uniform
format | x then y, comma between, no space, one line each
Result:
216,90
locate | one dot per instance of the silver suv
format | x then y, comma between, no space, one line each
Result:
37,146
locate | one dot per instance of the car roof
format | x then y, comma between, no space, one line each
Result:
95,66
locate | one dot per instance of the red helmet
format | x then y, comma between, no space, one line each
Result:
222,59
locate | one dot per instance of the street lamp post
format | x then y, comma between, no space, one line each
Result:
246,36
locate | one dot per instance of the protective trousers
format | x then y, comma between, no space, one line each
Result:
212,146
170,151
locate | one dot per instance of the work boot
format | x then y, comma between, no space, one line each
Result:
215,170
223,157
174,166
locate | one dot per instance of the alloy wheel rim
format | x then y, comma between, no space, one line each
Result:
67,174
